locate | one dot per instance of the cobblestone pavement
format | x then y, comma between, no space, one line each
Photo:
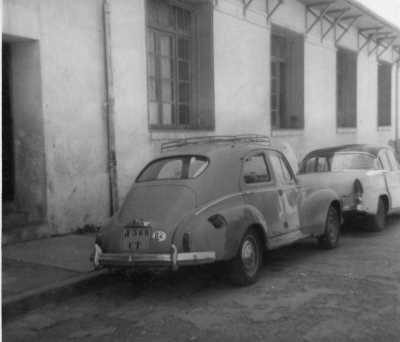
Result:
304,294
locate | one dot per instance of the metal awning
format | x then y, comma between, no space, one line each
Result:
375,33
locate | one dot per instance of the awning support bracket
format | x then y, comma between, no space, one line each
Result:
387,47
324,10
334,23
353,19
271,11
369,38
246,4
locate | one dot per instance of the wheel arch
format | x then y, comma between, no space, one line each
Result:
386,201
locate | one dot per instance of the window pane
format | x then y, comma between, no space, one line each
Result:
183,48
153,113
309,166
384,94
181,167
183,71
171,169
166,91
165,46
183,114
166,68
184,92
323,165
184,20
196,166
150,41
346,88
167,114
166,17
353,161
287,79
151,65
152,89
255,170
160,14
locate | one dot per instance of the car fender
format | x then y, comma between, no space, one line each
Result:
225,239
314,209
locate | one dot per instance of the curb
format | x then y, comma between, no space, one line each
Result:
19,304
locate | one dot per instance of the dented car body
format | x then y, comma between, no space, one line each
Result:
216,199
365,177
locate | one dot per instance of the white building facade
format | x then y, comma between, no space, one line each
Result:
91,88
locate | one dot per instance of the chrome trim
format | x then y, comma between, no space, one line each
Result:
174,259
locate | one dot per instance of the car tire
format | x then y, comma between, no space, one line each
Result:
330,238
377,222
244,268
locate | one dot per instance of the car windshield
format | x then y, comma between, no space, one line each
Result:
179,167
353,161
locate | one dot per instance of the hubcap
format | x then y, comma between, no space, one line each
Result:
250,256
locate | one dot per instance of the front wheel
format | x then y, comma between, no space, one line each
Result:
330,238
377,222
245,267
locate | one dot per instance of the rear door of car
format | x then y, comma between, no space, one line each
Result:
259,190
288,189
392,176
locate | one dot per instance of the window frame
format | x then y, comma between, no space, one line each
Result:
354,55
175,34
178,156
282,159
276,114
389,95
268,168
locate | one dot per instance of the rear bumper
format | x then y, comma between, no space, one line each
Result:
172,260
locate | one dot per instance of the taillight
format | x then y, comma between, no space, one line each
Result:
358,191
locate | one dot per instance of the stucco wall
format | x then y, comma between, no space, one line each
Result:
69,35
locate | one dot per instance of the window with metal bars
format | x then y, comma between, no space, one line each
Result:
169,56
287,79
346,88
384,94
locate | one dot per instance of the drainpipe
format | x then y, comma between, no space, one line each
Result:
110,101
397,108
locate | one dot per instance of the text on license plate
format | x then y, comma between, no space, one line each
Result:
136,238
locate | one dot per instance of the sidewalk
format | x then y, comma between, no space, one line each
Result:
39,271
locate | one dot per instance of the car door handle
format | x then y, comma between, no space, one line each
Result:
280,192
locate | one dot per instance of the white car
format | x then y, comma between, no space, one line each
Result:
365,177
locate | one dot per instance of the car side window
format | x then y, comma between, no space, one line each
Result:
309,166
255,169
322,165
392,160
385,161
280,168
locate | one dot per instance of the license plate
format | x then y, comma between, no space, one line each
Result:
136,239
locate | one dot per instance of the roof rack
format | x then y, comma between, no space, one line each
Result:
241,138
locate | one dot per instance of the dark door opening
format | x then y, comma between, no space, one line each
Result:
8,169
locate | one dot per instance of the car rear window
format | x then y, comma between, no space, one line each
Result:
179,167
354,161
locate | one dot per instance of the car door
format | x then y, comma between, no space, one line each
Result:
288,188
392,176
260,191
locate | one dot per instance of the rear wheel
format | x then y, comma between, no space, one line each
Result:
245,267
330,238
377,222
